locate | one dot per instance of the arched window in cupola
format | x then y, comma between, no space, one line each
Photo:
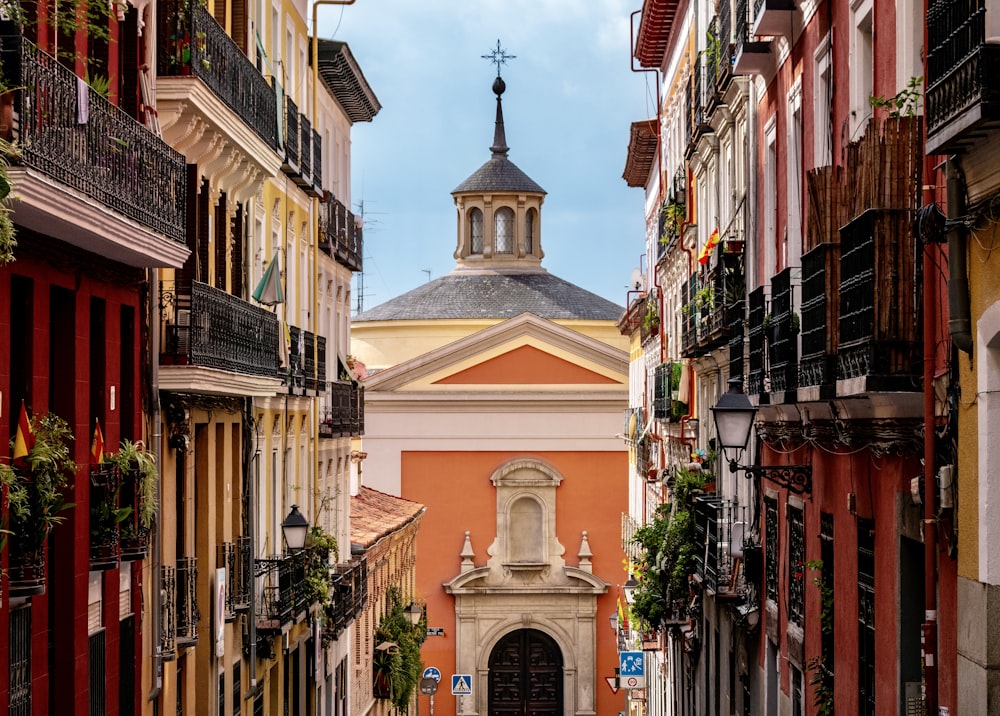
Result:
504,230
476,231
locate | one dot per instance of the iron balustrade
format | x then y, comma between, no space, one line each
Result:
343,410
211,328
244,574
737,336
105,154
291,163
963,70
188,614
724,68
879,319
349,597
771,549
714,518
284,590
782,334
689,321
97,663
756,339
306,373
227,558
317,165
167,643
192,43
305,151
19,658
341,234
820,269
796,565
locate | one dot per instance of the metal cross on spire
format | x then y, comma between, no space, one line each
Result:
498,57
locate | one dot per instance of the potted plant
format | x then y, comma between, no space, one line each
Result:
35,497
105,516
139,479
317,574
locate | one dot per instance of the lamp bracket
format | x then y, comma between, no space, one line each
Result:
797,478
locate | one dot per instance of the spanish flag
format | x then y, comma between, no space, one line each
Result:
710,245
97,447
24,439
622,615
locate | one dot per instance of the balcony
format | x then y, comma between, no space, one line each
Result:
717,299
208,331
290,165
166,647
316,190
306,373
285,594
773,18
304,178
186,600
714,520
212,102
726,48
879,323
86,172
702,94
757,310
751,56
963,75
737,336
350,595
689,319
820,286
341,236
782,335
666,389
343,411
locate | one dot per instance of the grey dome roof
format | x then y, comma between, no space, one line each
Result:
495,295
498,174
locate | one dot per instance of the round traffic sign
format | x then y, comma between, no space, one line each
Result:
428,686
432,672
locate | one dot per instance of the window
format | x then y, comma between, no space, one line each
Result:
476,231
503,230
796,564
771,549
823,106
529,231
770,238
862,60
793,243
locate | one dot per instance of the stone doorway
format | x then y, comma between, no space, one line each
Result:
526,675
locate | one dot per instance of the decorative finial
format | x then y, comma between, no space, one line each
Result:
499,57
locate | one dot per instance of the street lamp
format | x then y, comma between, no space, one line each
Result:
295,528
614,622
734,417
631,584
414,613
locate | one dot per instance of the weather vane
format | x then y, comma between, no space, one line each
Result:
498,57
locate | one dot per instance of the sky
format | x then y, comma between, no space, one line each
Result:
571,97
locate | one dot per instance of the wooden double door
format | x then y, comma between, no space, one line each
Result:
526,675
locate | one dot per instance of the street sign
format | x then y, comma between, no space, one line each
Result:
633,672
613,683
461,684
432,672
428,686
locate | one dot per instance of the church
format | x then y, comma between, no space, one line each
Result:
496,396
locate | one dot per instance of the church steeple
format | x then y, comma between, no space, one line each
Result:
499,206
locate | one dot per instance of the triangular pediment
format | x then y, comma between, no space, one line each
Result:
524,351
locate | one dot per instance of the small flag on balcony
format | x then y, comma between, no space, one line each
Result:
97,447
24,438
710,245
269,291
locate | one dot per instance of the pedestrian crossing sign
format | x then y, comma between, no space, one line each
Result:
461,684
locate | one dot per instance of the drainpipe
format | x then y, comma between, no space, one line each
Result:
959,321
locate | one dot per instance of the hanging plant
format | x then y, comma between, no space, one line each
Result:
396,666
139,479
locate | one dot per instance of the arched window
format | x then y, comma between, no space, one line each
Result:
476,231
529,231
504,230
525,536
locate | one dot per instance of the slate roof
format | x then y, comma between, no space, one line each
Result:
499,174
495,295
376,514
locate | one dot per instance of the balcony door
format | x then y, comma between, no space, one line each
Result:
526,674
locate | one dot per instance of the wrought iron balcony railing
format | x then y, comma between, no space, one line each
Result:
689,319
188,614
213,329
284,589
291,131
306,372
666,389
820,286
192,43
756,363
350,595
782,335
167,644
244,575
714,520
737,337
750,56
879,317
316,188
963,74
726,51
88,144
227,559
343,411
341,234
304,177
